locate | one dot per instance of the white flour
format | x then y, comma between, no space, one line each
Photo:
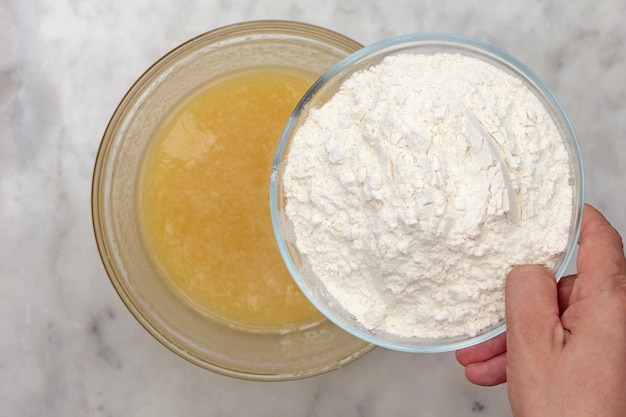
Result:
401,206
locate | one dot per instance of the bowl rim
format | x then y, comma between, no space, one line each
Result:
106,249
394,45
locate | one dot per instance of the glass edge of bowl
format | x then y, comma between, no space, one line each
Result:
231,372
362,53
99,171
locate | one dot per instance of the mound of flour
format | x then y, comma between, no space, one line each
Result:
418,186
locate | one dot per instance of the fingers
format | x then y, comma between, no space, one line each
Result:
489,373
485,364
532,309
534,304
532,314
482,352
601,251
565,286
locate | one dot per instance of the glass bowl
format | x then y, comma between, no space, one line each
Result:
213,344
322,91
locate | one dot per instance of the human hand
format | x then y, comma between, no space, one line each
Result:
564,352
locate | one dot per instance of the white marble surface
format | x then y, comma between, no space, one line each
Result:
69,347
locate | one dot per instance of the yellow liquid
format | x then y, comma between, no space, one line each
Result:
205,199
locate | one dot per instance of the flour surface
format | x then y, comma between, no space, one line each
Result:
418,186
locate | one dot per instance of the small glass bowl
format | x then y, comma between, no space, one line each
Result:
213,344
325,88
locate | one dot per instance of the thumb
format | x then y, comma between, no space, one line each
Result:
532,311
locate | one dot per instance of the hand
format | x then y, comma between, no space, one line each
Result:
564,352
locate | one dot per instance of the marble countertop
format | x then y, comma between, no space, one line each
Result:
68,346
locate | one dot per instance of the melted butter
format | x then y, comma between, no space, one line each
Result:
205,200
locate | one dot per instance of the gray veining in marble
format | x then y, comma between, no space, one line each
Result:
68,346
